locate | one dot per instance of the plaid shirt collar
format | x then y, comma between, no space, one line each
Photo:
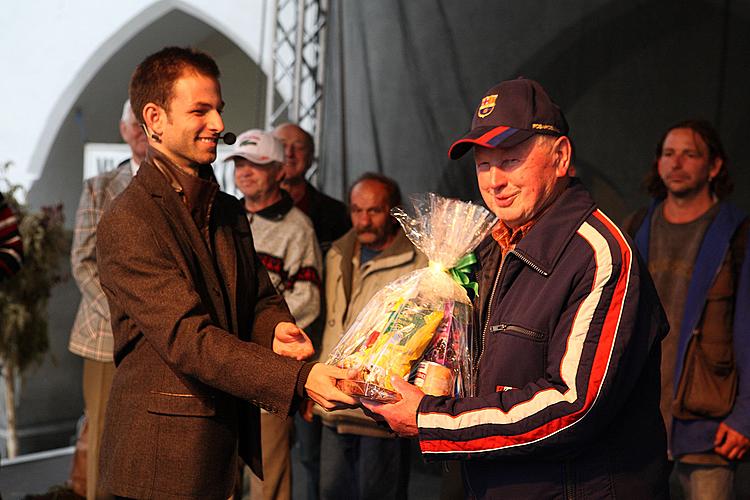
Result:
508,238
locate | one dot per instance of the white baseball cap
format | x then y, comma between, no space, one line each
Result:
258,147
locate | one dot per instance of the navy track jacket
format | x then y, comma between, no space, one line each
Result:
567,399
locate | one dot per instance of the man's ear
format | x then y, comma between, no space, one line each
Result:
280,174
155,118
562,152
123,129
715,167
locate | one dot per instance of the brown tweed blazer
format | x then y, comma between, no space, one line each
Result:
192,345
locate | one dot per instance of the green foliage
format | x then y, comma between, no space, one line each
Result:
23,297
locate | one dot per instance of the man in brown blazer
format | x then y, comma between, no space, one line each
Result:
198,327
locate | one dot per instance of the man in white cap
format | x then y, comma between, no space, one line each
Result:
286,245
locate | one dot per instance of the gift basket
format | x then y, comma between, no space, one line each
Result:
418,326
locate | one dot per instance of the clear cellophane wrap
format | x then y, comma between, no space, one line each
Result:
422,315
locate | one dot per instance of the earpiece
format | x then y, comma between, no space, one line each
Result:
150,134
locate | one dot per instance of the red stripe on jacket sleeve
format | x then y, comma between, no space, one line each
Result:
600,366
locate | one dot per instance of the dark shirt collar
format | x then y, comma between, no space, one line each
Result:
196,192
366,254
306,202
278,210
555,227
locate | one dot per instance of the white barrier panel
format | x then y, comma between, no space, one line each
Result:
101,157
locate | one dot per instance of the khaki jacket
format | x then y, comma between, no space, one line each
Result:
344,302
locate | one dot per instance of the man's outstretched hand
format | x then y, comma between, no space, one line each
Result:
290,341
321,387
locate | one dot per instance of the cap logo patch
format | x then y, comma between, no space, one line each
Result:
248,142
487,106
542,126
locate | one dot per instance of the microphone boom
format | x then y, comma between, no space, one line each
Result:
228,138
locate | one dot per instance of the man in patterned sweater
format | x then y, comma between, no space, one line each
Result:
285,242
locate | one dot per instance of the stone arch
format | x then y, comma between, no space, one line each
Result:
104,52
89,108
50,404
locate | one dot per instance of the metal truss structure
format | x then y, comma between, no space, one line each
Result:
294,91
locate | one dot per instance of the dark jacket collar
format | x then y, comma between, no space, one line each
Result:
278,210
724,224
546,241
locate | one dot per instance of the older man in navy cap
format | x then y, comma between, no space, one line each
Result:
569,327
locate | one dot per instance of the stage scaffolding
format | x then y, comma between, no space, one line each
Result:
294,91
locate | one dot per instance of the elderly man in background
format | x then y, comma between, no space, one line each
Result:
91,335
286,245
329,216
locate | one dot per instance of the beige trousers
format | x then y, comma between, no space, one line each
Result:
97,382
276,442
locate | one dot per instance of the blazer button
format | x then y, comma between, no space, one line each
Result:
331,322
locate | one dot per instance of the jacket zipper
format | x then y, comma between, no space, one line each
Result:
489,305
487,324
529,263
504,327
570,485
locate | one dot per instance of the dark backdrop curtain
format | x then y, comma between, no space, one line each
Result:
403,77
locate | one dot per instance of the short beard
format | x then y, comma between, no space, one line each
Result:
689,191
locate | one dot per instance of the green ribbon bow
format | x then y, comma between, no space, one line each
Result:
460,273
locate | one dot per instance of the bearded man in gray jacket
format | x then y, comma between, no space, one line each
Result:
359,458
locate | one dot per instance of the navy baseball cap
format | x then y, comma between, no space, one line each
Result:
509,113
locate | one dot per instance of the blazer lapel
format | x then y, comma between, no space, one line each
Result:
183,225
227,254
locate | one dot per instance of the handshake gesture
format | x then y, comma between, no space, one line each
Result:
290,341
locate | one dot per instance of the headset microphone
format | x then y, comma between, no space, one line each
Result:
148,133
228,138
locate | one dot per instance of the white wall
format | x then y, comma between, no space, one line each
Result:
49,51
65,70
